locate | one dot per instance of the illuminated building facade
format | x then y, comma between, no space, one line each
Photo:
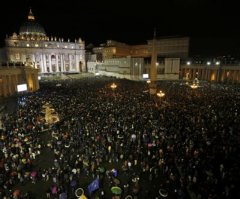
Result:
48,54
172,54
177,47
132,61
13,75
212,72
115,49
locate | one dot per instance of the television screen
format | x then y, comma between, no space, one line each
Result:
21,87
145,76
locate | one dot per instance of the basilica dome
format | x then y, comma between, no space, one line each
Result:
31,27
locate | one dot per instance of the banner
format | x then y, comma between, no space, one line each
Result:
93,186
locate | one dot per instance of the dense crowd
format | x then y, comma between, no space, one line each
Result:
126,138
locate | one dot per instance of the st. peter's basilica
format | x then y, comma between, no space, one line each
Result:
48,54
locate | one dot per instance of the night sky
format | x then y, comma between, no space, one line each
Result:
212,25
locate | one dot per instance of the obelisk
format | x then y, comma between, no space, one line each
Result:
153,68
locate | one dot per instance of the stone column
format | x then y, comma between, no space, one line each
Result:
50,63
34,60
77,60
62,63
44,63
56,55
70,62
41,63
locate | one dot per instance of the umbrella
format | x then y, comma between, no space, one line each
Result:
83,197
128,197
33,174
115,173
67,145
163,193
120,136
85,162
116,190
73,183
54,189
79,192
63,195
150,145
16,193
116,181
101,169
24,161
135,179
2,137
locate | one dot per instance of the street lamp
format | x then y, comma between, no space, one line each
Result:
194,86
113,86
160,94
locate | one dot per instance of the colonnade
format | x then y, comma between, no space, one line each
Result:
230,74
54,63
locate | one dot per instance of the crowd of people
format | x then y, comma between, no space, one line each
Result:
127,138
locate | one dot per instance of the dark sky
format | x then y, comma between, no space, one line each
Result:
212,25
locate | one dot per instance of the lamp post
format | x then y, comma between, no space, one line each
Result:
194,86
160,94
113,86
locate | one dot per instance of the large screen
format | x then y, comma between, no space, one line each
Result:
145,76
21,87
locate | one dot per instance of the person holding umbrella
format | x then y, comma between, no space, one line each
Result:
33,176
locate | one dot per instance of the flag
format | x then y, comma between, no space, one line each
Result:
93,186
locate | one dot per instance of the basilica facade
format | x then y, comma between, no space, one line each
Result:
50,55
